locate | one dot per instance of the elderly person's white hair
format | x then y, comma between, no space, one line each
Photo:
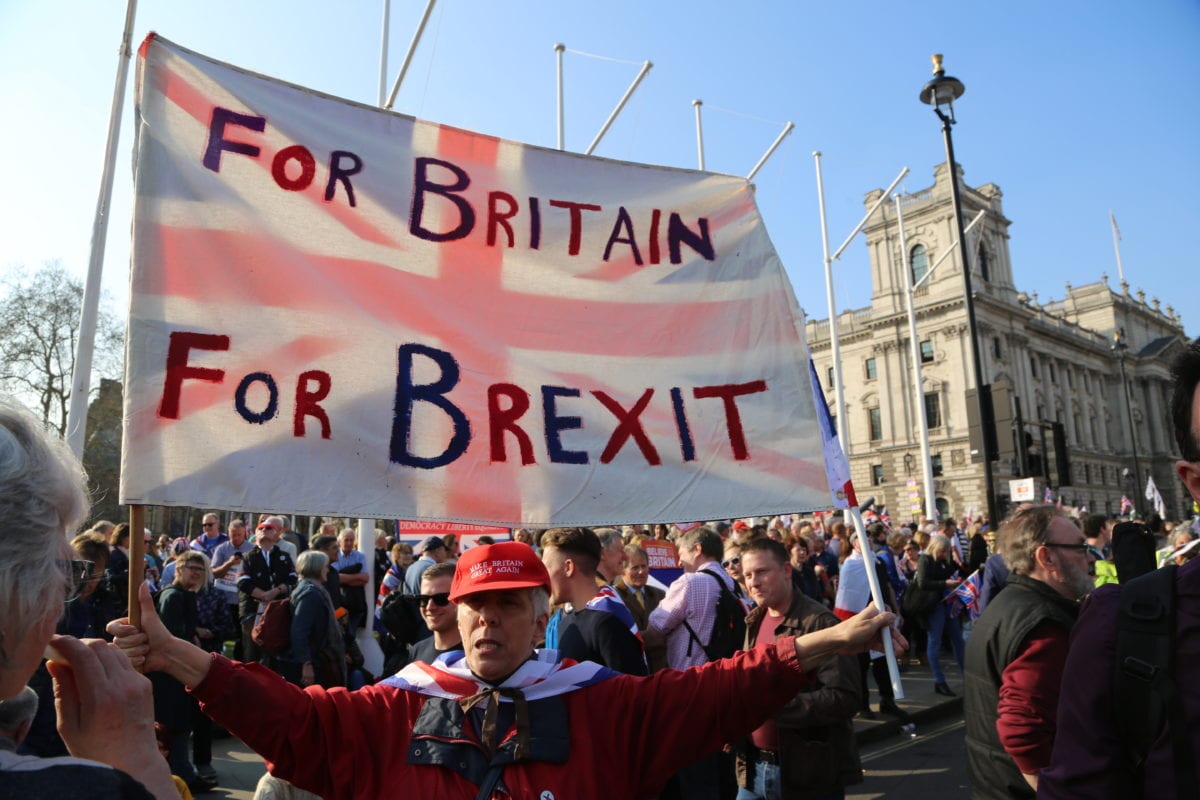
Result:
310,563
43,497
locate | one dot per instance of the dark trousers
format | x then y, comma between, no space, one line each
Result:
711,778
879,669
202,736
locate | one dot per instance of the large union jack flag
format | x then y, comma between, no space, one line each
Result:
338,310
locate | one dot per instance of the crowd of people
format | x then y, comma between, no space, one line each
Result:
524,667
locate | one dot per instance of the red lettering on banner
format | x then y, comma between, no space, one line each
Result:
308,168
178,369
307,401
505,419
733,420
628,426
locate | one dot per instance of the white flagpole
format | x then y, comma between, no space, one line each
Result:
81,378
558,49
918,388
771,150
646,65
699,133
1117,244
868,555
383,51
412,48
365,637
839,400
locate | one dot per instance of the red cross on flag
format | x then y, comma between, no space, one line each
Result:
344,311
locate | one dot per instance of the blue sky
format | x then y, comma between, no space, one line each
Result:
1072,108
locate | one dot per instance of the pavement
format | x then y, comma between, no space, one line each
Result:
239,768
922,704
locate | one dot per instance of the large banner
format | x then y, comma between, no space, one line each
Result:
344,311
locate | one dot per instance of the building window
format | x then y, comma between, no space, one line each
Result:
933,410
1070,379
1087,385
920,263
876,423
829,384
1033,366
985,269
997,351
871,375
1053,373
927,351
1087,473
877,474
935,463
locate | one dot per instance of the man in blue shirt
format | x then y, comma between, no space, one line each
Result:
352,577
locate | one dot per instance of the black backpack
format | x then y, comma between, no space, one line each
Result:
1147,698
729,629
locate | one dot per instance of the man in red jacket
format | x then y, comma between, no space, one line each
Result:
500,719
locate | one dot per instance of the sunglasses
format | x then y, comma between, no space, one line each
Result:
209,525
441,599
78,574
1065,546
731,562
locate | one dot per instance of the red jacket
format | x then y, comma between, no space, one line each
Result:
620,738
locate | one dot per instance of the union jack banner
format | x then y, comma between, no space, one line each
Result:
344,311
966,595
1126,505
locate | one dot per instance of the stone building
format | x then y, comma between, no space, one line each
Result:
1052,361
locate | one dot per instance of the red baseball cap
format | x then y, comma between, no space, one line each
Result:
505,565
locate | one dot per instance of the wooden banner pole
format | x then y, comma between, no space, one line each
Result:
137,561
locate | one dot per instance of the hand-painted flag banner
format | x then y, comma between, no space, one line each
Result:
836,465
339,310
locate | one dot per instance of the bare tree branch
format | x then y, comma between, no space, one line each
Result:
39,326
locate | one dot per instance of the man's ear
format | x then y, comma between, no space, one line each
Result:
1189,473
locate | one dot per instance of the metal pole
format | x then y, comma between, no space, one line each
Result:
365,636
412,48
972,330
868,554
1138,490
613,116
839,399
558,49
383,51
1117,245
81,377
699,133
918,388
953,246
838,253
771,150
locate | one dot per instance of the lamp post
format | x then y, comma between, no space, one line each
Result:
943,90
1120,347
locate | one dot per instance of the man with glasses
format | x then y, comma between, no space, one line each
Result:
229,562
439,613
210,536
1094,754
1017,651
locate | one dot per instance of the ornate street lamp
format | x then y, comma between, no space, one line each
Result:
940,93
